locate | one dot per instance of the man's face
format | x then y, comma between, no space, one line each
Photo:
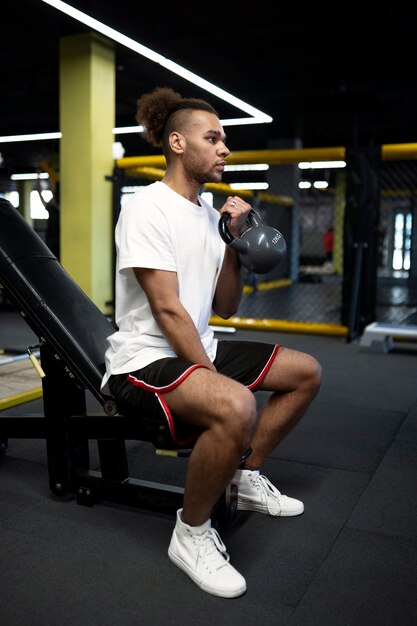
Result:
205,148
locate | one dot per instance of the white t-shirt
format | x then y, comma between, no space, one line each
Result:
158,228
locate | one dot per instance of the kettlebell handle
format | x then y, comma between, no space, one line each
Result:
260,248
253,219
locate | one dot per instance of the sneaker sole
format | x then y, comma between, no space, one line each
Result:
249,506
228,593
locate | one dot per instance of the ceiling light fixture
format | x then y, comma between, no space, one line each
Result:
316,165
249,185
32,137
29,176
258,117
58,135
251,167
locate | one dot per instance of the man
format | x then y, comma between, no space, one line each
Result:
173,271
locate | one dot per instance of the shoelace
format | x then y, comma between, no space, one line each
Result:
268,489
212,549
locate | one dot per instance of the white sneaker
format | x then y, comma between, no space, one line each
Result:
201,554
257,493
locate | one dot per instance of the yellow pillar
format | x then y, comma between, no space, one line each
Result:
87,117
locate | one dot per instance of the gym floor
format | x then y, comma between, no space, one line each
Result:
350,559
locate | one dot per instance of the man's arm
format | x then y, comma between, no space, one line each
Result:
230,282
229,286
161,289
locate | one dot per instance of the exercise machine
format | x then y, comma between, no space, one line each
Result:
72,334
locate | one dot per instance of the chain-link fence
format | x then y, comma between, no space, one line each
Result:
305,199
397,245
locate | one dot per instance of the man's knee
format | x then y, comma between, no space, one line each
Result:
313,374
239,416
242,405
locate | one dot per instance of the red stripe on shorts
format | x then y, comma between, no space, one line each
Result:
158,391
266,369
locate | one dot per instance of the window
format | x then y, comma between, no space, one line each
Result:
401,258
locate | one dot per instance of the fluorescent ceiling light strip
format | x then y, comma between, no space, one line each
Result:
126,130
237,121
113,34
316,165
253,167
58,135
29,176
122,130
249,185
33,137
241,121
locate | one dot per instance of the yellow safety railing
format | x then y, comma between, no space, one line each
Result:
389,152
152,167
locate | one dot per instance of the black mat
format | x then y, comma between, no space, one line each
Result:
349,560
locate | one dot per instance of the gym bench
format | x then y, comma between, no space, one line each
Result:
72,335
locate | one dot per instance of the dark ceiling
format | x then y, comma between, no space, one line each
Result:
327,78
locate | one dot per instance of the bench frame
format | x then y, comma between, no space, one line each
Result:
72,360
67,429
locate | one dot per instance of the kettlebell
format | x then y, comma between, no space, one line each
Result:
260,247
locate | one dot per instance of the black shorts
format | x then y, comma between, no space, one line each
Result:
142,391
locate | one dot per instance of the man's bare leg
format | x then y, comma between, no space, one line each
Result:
295,379
226,410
